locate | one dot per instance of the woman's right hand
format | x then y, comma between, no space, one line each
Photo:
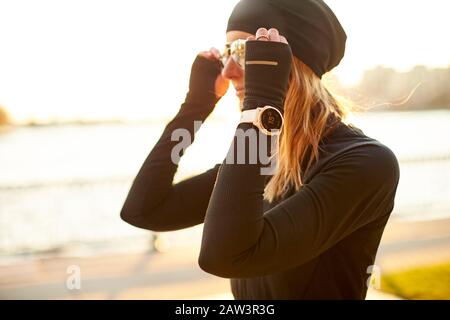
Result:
221,84
206,83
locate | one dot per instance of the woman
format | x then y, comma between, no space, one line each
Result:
310,229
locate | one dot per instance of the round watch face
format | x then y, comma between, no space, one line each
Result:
271,119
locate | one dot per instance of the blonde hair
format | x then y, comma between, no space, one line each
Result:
307,108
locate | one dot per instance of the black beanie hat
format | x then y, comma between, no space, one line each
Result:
312,30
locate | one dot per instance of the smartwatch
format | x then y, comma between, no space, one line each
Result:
268,119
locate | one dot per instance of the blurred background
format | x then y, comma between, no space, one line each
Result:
86,88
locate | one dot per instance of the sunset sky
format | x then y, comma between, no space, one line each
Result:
92,59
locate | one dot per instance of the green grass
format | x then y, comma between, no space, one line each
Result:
430,282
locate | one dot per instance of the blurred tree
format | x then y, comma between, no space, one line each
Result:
388,85
4,117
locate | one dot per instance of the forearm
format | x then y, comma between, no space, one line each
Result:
234,220
152,189
153,201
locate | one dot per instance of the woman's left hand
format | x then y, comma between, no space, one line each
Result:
268,63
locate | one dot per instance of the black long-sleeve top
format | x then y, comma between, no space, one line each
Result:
315,243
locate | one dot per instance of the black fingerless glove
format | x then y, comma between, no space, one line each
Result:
202,81
267,70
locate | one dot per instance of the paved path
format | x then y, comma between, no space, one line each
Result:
176,275
412,244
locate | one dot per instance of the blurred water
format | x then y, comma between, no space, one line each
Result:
63,186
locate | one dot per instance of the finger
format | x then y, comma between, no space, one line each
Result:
283,39
251,38
206,54
273,35
262,34
215,53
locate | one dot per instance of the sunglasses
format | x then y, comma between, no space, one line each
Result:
235,50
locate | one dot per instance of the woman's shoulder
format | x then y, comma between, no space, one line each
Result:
372,155
366,156
348,148
348,137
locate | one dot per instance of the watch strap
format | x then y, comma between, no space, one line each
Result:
249,115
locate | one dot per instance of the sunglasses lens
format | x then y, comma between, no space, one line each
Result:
239,59
237,52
